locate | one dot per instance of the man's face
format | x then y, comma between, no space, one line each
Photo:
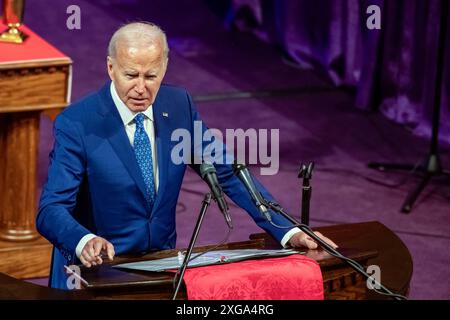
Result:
137,73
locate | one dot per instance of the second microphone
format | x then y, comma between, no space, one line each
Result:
209,174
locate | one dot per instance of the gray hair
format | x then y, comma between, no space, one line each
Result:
138,32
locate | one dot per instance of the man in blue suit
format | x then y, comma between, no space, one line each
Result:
112,187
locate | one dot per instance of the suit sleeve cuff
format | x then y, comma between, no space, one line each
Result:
288,236
82,243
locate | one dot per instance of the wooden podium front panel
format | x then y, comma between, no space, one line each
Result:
34,87
35,77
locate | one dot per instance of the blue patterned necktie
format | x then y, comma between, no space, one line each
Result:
143,151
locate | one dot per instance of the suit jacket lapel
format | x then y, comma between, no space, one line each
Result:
162,134
117,136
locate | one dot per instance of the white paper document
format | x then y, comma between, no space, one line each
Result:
209,258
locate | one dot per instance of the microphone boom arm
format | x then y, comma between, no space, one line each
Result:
277,208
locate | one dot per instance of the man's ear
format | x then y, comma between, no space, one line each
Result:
109,66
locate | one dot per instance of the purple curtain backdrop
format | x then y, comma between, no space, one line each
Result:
392,69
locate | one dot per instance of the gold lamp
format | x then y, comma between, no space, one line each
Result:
13,17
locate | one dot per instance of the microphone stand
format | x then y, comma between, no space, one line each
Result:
205,204
276,207
432,166
306,173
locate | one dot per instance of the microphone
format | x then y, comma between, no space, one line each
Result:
244,175
208,173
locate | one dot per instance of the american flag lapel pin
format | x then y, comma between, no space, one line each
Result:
165,114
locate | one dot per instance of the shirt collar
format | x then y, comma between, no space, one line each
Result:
126,114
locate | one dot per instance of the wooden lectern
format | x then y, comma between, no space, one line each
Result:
34,78
369,243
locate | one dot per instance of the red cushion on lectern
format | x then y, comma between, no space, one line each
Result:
34,48
295,277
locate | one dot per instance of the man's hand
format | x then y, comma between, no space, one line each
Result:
90,256
301,239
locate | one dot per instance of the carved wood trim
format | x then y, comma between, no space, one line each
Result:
35,63
33,70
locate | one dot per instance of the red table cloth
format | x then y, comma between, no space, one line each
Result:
34,48
294,277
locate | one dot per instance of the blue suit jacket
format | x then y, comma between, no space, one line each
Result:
95,186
